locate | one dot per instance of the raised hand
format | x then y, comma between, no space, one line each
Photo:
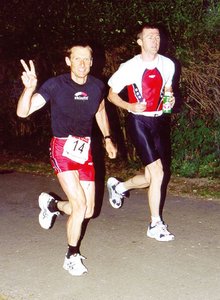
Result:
29,77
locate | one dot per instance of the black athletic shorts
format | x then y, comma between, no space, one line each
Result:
151,138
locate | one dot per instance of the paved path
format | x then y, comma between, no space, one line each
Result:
123,263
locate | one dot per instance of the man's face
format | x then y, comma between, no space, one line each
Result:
150,41
80,62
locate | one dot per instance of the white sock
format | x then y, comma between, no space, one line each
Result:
155,220
120,188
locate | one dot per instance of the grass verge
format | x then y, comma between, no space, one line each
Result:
206,188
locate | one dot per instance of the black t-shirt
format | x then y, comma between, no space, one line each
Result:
73,106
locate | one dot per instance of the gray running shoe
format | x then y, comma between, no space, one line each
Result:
115,199
74,265
46,217
159,232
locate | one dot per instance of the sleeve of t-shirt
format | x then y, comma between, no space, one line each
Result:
169,78
104,91
119,79
102,88
45,90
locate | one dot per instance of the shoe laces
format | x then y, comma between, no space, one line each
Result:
76,257
75,261
163,227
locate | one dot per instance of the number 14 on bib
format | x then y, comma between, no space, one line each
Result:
77,148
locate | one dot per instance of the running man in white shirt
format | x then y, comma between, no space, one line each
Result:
147,77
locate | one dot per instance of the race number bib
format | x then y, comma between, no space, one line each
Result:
77,148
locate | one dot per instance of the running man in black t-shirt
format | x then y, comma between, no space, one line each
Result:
75,100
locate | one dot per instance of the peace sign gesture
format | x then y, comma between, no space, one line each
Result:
29,77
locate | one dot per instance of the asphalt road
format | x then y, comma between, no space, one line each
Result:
123,263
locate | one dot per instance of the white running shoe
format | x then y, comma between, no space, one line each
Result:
115,199
159,232
46,217
74,265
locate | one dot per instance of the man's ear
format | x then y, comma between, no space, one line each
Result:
139,42
67,60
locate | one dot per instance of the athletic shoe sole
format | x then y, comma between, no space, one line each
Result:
43,204
110,183
162,239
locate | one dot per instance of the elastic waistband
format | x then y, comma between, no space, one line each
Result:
149,113
60,138
65,138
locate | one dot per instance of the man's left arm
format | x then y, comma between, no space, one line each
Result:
103,123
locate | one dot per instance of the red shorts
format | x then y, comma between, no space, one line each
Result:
61,163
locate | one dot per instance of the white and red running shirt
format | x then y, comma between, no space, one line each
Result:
145,81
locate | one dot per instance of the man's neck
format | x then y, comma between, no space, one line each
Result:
148,57
79,80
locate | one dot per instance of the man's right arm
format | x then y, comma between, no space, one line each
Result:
118,101
28,101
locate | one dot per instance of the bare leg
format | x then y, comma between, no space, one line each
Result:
152,178
65,207
138,181
78,201
155,170
88,187
89,190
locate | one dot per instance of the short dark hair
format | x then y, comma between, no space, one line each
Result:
76,43
146,26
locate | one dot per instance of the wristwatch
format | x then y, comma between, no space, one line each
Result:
107,137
